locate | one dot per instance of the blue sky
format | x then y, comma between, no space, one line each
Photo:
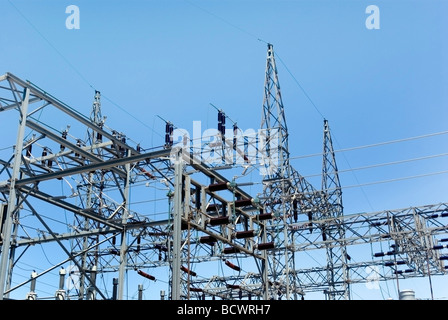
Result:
171,59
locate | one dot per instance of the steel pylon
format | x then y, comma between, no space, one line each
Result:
286,192
332,207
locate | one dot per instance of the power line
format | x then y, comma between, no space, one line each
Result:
373,145
384,164
226,22
396,179
377,182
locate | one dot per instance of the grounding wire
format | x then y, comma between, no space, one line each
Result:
225,21
300,86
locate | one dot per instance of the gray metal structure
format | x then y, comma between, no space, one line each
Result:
66,199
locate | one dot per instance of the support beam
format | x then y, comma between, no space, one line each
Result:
92,167
123,246
177,231
12,209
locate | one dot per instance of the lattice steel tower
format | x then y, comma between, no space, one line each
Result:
286,192
337,270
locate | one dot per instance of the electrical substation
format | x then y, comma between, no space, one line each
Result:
84,195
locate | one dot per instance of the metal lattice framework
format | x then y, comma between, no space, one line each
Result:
337,269
85,199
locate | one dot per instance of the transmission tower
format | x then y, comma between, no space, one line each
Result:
287,194
337,269
91,194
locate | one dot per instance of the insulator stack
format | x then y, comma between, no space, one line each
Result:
219,221
264,216
244,234
44,154
232,266
121,149
78,144
233,286
222,124
295,211
64,136
230,250
169,129
186,270
266,246
379,254
405,271
382,254
218,186
208,239
243,203
310,219
139,240
147,276
196,290
438,215
28,150
392,263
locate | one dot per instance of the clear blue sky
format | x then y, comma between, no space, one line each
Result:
171,59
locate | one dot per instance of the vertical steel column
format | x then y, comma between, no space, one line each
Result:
177,231
265,267
114,288
123,246
277,172
12,251
91,200
7,227
140,292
